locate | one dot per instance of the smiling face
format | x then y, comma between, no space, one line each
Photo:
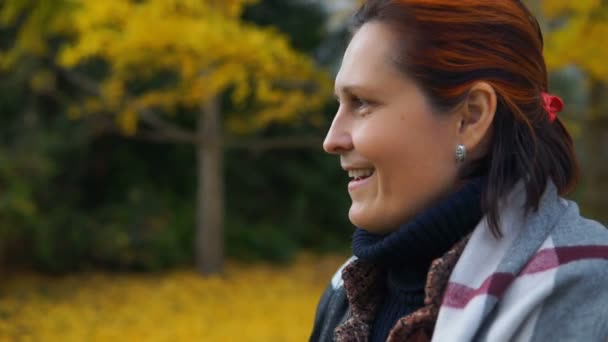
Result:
398,150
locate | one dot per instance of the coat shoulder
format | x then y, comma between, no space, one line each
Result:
576,230
332,308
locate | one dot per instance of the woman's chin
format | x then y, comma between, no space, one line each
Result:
363,218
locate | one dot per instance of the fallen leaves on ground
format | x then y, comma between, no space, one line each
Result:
257,302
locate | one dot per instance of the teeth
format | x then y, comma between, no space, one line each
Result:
360,173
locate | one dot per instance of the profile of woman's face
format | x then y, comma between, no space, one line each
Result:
398,152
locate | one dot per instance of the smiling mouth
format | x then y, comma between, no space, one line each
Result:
360,174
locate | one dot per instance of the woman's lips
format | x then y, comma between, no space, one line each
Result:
359,182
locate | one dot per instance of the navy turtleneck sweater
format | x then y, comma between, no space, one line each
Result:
406,254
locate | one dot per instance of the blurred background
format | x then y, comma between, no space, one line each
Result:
161,170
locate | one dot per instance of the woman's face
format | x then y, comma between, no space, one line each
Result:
399,153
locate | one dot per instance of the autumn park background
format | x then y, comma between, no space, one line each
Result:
161,170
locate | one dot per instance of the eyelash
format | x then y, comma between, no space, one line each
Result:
358,104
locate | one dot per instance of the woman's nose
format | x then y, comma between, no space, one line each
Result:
338,139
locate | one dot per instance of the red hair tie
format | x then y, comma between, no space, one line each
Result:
552,104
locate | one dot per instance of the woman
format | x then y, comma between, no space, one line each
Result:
458,160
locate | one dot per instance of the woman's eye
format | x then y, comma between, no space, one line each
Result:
360,104
355,104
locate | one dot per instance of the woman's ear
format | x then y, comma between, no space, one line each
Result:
476,116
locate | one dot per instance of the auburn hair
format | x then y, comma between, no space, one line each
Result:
446,46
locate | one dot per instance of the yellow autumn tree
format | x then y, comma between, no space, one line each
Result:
204,47
168,57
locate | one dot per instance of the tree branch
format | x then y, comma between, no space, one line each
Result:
165,132
169,131
282,143
254,145
163,137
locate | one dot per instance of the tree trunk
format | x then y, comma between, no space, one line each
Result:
2,275
209,247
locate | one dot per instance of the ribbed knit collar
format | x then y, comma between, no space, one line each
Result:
428,235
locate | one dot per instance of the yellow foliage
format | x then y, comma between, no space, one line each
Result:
208,48
93,105
43,80
40,19
127,121
249,303
74,112
554,8
580,36
202,45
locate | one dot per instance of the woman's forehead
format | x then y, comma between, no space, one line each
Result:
367,60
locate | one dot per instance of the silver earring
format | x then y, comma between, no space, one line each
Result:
461,153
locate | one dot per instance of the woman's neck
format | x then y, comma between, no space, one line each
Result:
427,236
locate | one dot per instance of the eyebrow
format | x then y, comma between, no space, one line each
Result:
350,89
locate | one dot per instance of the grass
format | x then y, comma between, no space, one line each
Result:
259,302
